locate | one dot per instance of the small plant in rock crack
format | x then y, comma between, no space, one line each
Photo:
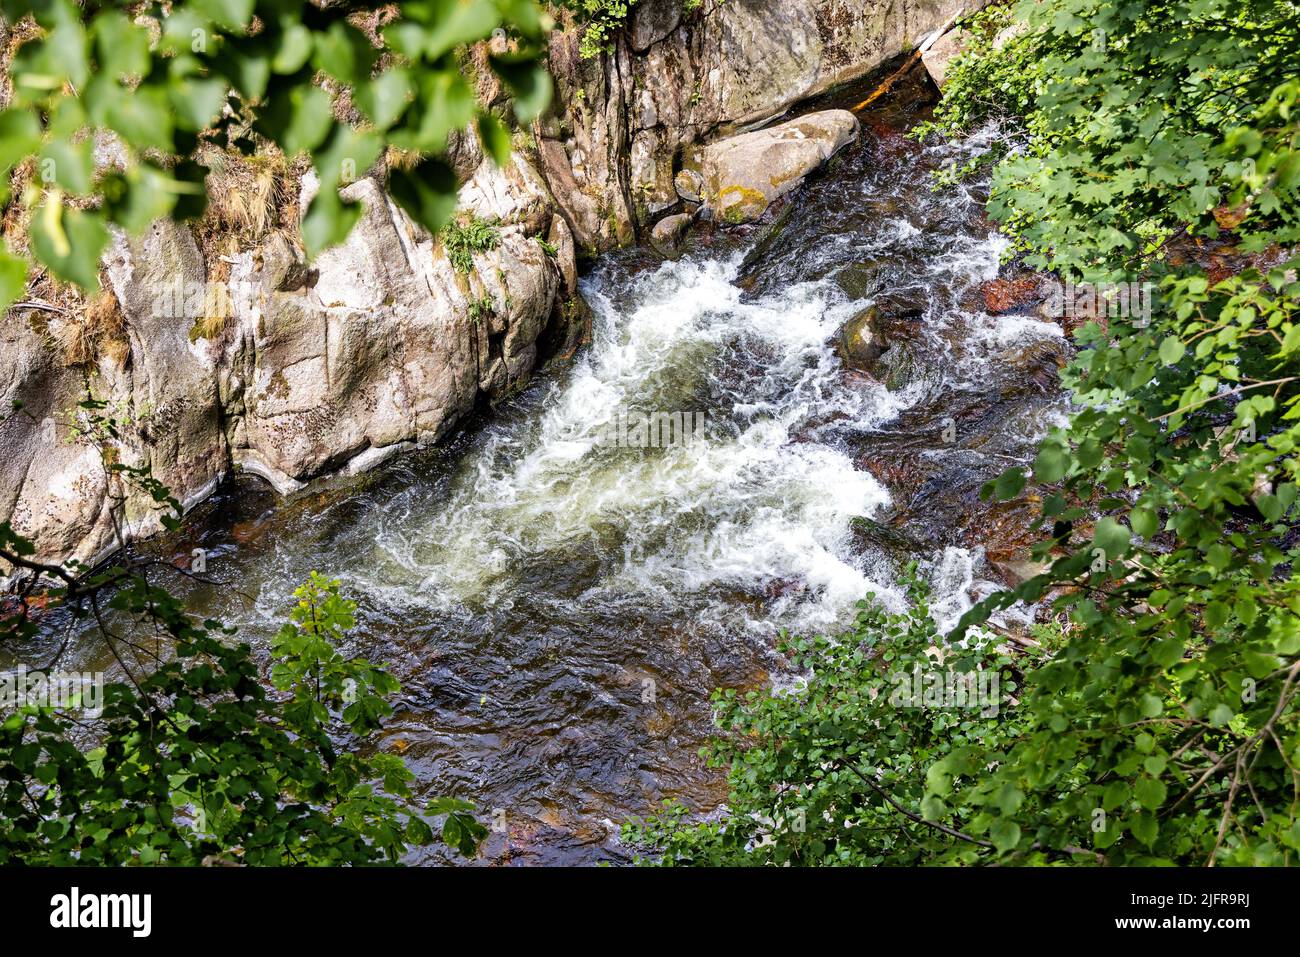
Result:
481,309
463,240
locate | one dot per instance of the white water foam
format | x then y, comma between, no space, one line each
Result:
750,505
758,507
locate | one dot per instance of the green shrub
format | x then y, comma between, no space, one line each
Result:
834,770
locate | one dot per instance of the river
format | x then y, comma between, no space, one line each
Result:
558,607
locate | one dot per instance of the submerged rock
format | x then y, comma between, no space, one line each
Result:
1004,295
861,280
879,341
860,343
744,174
668,232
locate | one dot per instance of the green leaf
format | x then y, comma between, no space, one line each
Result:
1051,464
385,98
327,221
1009,484
232,14
454,24
298,120
143,118
248,71
495,137
1171,349
1216,614
69,241
427,193
445,103
345,157
65,50
13,278
1270,507
1111,537
1150,792
529,84
294,49
122,46
136,199
1010,798
1167,653
1143,522
20,135
1145,827
1005,834
191,190
1219,556
196,102
68,165
344,53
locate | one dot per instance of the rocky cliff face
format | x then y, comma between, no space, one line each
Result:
627,122
287,371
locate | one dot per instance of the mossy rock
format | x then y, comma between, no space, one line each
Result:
739,204
860,280
860,343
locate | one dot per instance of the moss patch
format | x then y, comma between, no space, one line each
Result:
740,204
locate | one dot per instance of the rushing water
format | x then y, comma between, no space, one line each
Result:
558,608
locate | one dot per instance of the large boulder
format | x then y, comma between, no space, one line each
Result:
744,174
668,233
52,485
170,379
145,369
